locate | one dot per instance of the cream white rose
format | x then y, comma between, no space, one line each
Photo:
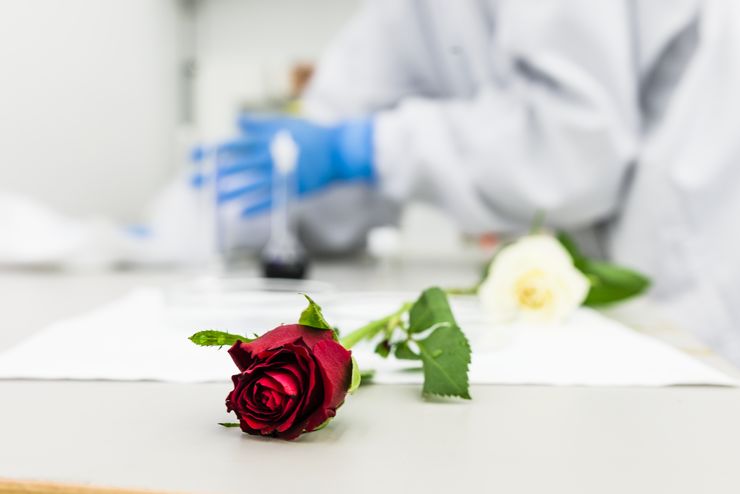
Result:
533,279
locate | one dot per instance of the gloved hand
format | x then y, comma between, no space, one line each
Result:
327,154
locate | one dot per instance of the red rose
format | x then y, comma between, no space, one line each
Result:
292,380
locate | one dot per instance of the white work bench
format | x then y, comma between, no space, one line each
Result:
508,439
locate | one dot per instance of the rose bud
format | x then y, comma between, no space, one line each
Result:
292,380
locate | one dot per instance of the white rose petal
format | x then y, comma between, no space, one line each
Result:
534,279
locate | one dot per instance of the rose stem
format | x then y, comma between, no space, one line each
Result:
469,290
372,328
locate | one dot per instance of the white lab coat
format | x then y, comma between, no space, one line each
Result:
495,110
614,113
680,221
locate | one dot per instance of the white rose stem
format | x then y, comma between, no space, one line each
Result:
284,153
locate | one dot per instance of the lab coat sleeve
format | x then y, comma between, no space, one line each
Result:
364,69
557,132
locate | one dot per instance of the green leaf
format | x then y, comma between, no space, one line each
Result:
431,308
217,338
445,355
570,245
366,376
383,349
229,424
312,316
611,283
404,352
356,377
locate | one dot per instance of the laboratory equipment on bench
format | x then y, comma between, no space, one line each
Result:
283,256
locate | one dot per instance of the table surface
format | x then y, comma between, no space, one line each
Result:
512,439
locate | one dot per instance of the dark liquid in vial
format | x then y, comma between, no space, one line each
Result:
273,268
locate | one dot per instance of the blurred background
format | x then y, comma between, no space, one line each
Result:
100,98
618,125
104,101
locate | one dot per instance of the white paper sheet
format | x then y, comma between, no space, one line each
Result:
142,337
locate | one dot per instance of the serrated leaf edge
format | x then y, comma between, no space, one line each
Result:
466,393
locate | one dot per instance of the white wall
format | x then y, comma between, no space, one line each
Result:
87,106
245,49
90,96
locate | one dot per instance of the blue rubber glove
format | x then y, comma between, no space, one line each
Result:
327,155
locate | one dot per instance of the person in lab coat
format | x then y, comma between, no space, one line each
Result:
598,113
491,109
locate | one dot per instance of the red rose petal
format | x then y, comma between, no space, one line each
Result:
263,427
287,380
269,382
293,379
290,434
310,399
271,406
335,363
255,400
242,353
273,400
